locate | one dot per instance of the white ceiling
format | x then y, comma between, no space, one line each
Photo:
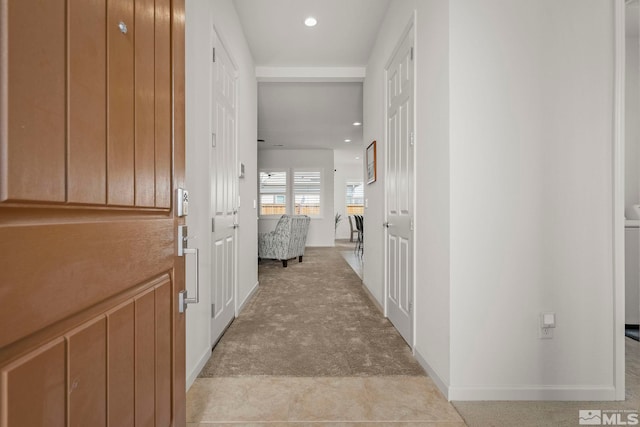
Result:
296,115
310,115
343,37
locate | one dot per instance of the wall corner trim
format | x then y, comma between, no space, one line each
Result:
618,202
193,375
373,298
310,74
533,392
250,295
439,382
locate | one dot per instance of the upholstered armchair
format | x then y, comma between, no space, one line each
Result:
287,241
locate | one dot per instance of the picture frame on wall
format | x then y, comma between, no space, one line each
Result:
371,163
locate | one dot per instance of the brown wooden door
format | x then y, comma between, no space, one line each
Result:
91,150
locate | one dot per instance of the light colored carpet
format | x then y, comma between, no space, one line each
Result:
311,319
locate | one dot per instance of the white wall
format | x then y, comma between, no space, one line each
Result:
632,170
632,122
432,174
514,193
347,170
201,17
321,230
531,198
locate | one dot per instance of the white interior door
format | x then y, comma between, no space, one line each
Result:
224,187
400,189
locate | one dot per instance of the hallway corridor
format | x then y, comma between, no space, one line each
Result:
311,347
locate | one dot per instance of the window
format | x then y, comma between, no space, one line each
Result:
355,198
299,195
306,192
273,193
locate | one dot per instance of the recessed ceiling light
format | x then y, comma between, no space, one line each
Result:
357,124
357,158
310,21
347,140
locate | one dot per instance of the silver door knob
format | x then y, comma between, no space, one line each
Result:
387,224
123,27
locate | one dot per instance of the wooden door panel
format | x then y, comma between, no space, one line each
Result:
104,356
145,103
120,150
176,138
163,353
121,368
32,147
87,380
37,384
91,149
58,288
145,358
163,99
87,79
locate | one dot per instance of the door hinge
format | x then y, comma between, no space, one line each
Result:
213,225
411,225
410,306
411,53
214,55
213,310
412,138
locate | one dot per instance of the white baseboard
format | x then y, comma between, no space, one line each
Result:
557,393
536,393
439,382
244,303
191,377
372,298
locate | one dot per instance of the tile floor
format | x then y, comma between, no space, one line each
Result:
344,401
354,260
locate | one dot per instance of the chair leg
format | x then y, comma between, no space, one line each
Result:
284,263
300,258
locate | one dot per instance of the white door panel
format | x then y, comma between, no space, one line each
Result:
223,190
400,189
